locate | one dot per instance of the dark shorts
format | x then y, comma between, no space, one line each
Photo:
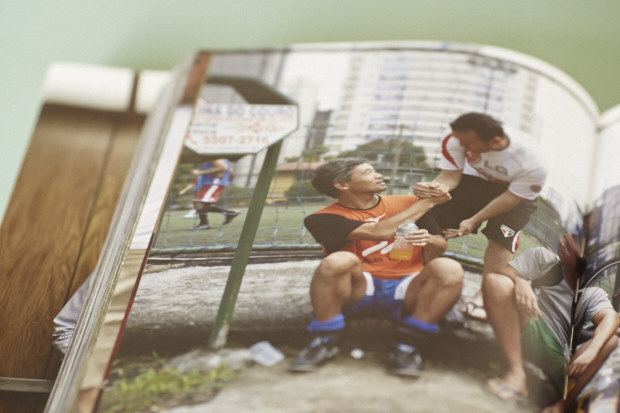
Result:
471,196
383,298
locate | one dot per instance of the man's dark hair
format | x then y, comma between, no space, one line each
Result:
338,170
485,126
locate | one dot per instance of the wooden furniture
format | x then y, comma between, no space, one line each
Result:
52,234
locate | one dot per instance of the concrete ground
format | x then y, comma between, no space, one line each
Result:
349,385
174,311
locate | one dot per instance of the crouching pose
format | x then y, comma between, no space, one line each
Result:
539,326
358,277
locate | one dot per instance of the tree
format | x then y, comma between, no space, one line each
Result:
308,155
302,189
411,156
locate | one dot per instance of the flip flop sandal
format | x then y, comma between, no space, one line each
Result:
505,392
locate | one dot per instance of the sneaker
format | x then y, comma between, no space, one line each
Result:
230,215
191,214
320,349
204,226
404,360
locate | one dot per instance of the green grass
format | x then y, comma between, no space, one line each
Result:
279,224
144,385
282,224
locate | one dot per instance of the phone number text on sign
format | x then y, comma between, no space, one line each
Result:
236,140
239,128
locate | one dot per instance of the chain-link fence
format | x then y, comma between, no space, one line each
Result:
292,198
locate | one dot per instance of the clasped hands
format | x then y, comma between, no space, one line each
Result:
439,191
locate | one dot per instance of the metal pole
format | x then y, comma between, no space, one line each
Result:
248,180
222,322
395,164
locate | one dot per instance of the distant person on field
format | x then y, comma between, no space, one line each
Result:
537,325
358,278
493,175
211,179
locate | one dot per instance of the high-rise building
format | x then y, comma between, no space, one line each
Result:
413,94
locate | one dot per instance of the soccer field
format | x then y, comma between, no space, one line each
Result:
281,225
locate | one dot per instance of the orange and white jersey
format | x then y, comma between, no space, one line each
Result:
332,225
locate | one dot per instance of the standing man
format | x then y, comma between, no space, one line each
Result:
358,278
539,325
211,180
493,176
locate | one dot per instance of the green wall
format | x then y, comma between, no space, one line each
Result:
578,36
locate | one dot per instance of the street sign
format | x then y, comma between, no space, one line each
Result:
233,128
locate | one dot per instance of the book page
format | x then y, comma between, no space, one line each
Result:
607,174
606,183
390,104
603,254
603,242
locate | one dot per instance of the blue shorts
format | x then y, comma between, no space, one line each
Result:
383,298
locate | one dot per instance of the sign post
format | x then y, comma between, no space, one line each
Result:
233,129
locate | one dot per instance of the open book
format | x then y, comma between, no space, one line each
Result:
276,115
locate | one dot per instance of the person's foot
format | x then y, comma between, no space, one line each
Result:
230,215
404,360
203,226
506,391
555,408
321,348
475,311
191,214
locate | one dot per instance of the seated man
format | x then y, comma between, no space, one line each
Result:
358,278
539,326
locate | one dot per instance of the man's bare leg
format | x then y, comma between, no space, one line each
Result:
496,258
433,293
501,309
429,296
337,282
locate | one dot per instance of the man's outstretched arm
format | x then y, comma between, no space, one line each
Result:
446,181
385,229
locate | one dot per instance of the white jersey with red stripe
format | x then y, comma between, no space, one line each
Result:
519,165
